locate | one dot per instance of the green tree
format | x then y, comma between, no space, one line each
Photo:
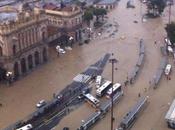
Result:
156,7
80,4
170,29
88,16
99,12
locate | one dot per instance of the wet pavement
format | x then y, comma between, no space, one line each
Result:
19,99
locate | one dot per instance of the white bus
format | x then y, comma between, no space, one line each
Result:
92,100
26,127
98,81
103,89
116,88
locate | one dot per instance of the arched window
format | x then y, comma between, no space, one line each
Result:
44,55
43,35
14,49
1,51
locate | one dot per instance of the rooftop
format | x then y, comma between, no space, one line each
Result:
106,2
7,16
6,2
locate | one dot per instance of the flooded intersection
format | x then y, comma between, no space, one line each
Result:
19,100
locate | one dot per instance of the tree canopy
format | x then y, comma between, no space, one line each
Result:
156,7
88,16
170,29
99,12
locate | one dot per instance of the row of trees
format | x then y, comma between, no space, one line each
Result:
170,29
156,7
91,11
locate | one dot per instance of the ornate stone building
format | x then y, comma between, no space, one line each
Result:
26,30
67,20
106,4
22,41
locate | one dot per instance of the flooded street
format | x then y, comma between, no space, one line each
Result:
19,99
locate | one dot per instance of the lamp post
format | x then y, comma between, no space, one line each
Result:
9,77
112,61
170,4
71,40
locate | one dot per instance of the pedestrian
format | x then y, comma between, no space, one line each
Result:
58,54
139,95
0,104
167,77
145,89
150,83
125,83
155,42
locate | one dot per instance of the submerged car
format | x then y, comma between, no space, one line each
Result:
41,104
167,69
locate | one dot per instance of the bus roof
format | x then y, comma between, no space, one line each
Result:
171,112
115,86
89,96
134,110
104,86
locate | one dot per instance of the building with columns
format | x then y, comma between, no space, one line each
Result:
106,4
27,29
22,41
68,20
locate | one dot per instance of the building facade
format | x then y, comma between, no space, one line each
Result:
68,20
25,33
22,42
106,4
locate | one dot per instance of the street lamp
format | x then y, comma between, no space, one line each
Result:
71,40
112,61
170,3
9,77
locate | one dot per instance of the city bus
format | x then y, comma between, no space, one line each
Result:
92,100
116,88
26,127
133,114
103,89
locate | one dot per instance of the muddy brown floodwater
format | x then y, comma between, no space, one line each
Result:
19,100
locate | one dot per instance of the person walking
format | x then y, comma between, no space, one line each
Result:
139,95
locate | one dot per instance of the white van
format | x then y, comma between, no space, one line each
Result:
98,81
167,69
26,127
168,42
170,49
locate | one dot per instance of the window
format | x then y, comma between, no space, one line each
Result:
14,49
1,51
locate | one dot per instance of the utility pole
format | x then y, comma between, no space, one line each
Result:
170,3
112,61
141,11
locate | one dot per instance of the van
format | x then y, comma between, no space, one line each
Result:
26,127
170,49
167,69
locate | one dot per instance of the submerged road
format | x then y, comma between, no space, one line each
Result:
49,115
19,100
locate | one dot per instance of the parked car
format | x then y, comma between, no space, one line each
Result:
144,1
167,69
41,104
62,51
66,128
168,42
170,49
